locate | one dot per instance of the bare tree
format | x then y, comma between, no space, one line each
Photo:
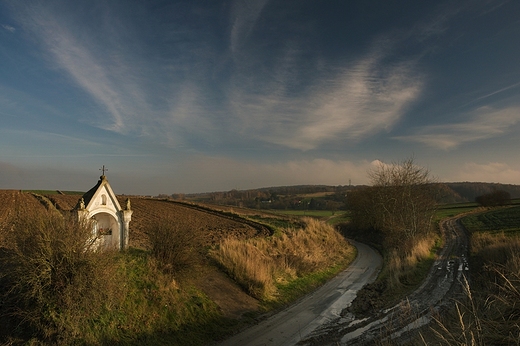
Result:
400,203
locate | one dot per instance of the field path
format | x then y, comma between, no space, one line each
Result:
294,323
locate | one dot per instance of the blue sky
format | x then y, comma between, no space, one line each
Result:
201,96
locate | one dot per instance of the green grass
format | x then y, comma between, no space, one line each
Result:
72,192
297,288
153,312
333,217
505,220
449,210
275,222
42,192
339,217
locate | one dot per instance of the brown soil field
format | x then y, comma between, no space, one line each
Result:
64,202
12,201
213,226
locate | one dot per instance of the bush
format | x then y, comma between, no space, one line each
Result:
174,245
52,283
495,198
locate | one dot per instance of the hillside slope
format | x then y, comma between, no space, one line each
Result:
211,226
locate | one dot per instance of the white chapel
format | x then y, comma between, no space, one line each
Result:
110,222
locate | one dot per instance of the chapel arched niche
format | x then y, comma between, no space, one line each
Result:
106,230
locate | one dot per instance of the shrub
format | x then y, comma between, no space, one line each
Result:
174,245
52,283
495,198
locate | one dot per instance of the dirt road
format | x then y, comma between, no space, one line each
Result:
296,322
400,322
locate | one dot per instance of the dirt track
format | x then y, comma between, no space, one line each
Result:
401,322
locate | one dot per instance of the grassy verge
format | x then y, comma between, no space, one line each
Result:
401,274
309,213
404,274
333,217
450,210
269,269
291,291
54,192
277,223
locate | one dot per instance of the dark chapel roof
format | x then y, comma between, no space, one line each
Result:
87,196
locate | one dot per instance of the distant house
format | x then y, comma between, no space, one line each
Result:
110,222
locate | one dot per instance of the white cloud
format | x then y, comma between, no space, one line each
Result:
9,28
162,100
483,123
362,99
496,172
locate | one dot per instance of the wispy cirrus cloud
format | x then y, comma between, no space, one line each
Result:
156,98
483,123
351,102
244,15
75,54
493,93
9,28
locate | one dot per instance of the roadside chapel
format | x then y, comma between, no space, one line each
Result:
110,222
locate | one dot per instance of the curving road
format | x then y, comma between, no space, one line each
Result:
400,322
292,325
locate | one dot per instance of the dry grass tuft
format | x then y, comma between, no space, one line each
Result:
259,264
401,263
248,266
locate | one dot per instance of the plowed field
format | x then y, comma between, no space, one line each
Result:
64,202
12,201
212,225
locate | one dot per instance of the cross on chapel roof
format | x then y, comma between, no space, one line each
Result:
103,170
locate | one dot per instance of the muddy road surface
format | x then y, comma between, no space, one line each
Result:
401,322
293,324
